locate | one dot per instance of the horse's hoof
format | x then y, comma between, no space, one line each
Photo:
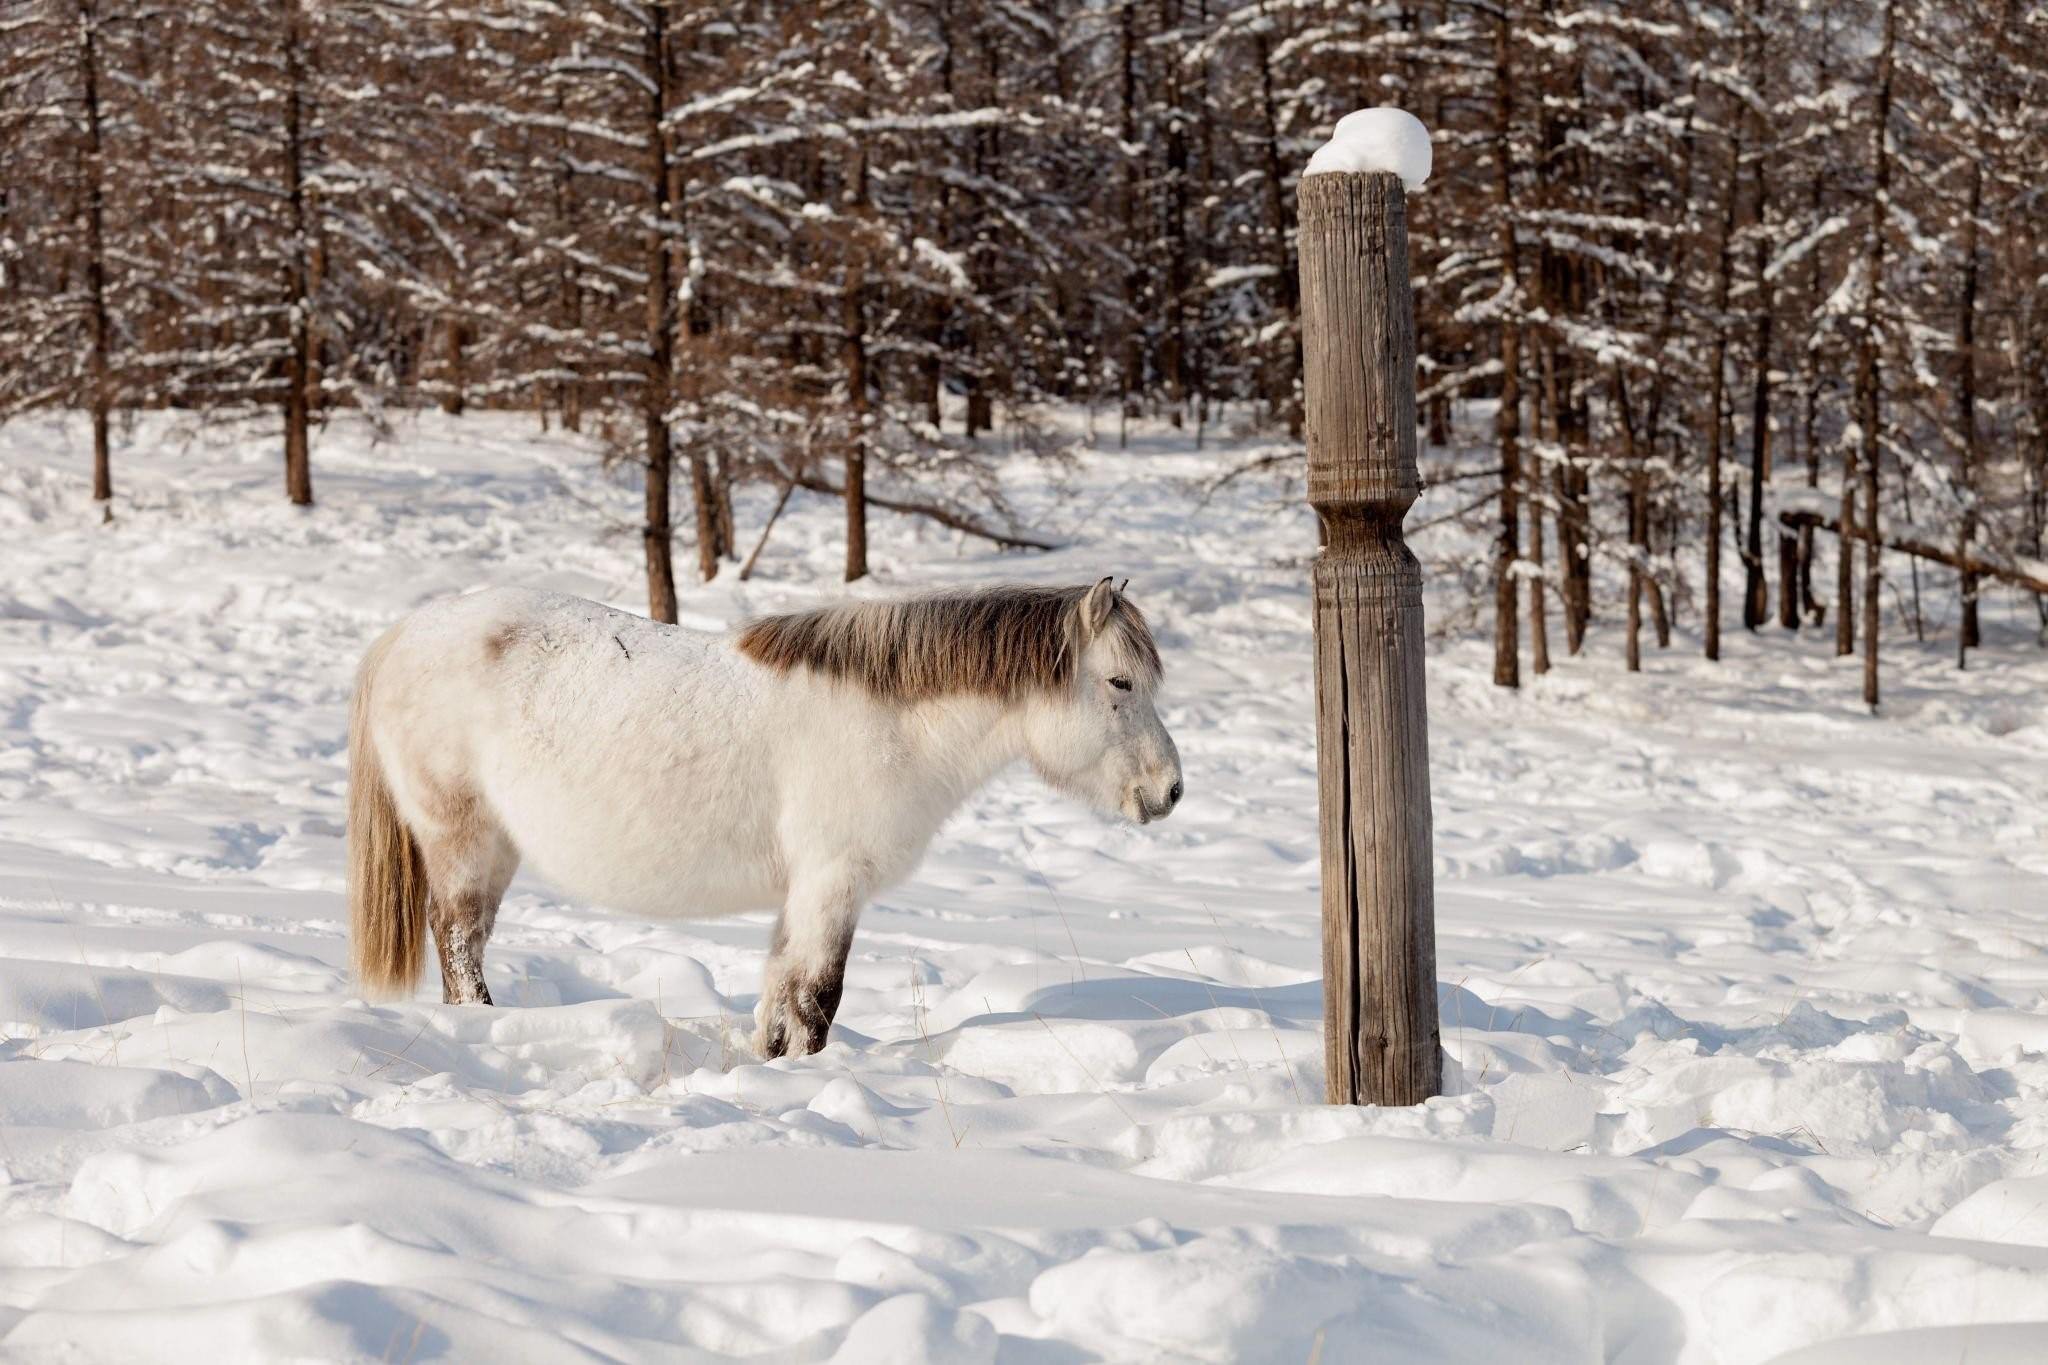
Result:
793,1021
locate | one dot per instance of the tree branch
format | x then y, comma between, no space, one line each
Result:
942,515
1920,549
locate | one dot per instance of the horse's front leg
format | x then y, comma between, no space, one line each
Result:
806,970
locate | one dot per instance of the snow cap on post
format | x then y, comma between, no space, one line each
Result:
1383,139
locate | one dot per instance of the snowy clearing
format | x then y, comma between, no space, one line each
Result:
1743,990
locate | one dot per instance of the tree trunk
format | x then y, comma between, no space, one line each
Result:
1133,342
1507,664
1809,354
1968,635
1574,524
1815,609
1845,568
1633,649
1653,426
714,537
658,534
1659,617
988,165
1913,566
298,468
1539,619
721,501
316,283
454,375
1638,519
569,394
1539,623
687,323
1756,598
1281,389
711,545
95,177
854,353
937,309
1866,360
1788,581
2033,386
1717,380
928,377
1173,347
1203,239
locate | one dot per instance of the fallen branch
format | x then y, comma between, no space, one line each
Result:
747,569
942,515
1467,510
1920,549
1273,457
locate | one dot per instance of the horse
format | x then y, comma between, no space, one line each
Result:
801,764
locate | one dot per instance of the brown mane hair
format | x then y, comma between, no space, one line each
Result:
995,642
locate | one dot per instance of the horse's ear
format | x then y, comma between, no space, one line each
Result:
1096,607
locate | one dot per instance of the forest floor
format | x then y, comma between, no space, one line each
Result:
1743,988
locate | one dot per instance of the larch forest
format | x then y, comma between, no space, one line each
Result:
1754,283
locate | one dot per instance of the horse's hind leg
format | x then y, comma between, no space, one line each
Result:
806,970
468,869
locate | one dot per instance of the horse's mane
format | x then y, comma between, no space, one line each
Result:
997,642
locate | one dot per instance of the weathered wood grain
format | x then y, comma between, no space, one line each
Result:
1372,727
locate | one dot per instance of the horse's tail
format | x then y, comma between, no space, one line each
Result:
387,878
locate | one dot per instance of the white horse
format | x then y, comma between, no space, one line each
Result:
803,763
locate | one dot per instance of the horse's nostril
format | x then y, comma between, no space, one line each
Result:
1173,795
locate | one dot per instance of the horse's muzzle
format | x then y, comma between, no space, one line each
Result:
1148,812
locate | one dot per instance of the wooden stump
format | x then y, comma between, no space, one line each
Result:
1372,728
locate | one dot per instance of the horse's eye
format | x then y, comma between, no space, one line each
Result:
1120,684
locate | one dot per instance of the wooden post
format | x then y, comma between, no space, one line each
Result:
1372,729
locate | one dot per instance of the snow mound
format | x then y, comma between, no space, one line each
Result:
1383,139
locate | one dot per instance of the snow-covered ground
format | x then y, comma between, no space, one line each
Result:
1744,989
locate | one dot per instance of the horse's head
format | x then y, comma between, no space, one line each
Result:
1098,737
